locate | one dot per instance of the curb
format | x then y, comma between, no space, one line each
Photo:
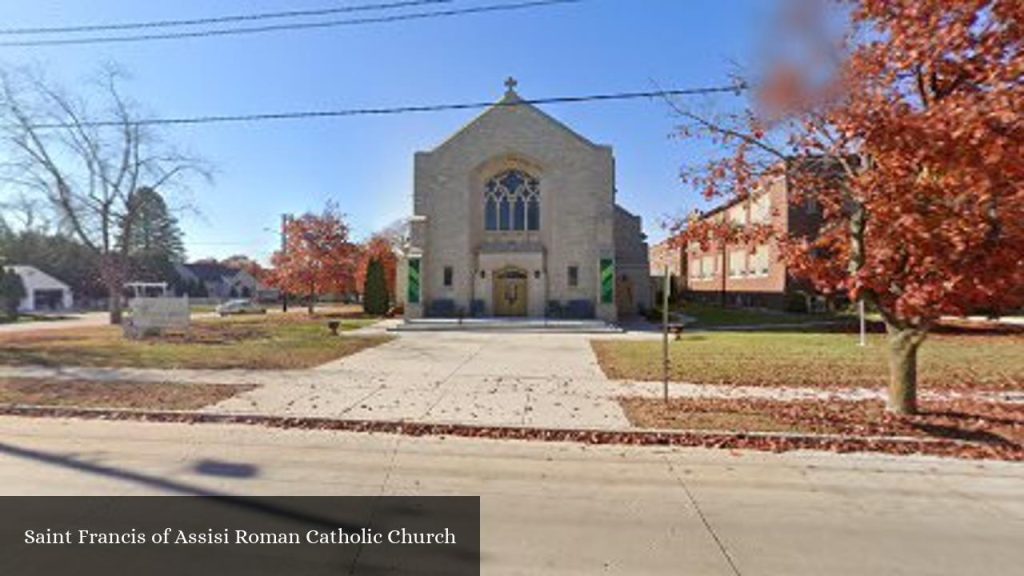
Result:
761,441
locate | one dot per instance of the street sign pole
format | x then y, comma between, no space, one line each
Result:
664,332
285,220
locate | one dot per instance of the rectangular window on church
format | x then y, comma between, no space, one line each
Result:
449,274
574,276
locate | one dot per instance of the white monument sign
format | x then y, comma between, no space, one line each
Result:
154,315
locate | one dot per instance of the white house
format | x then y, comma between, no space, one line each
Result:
42,291
224,282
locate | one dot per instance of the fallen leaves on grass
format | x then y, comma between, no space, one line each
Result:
119,394
994,424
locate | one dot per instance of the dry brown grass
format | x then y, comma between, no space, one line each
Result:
291,341
124,395
817,360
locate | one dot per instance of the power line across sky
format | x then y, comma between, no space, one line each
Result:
187,22
264,28
410,109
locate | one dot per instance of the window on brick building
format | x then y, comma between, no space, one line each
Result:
811,206
737,263
761,209
760,262
707,266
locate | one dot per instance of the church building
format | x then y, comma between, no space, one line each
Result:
516,215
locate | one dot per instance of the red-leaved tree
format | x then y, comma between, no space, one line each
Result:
912,144
318,257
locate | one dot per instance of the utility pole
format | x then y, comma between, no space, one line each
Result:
286,219
664,331
725,264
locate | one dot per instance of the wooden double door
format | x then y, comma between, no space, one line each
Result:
510,292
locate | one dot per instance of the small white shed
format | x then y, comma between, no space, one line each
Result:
42,291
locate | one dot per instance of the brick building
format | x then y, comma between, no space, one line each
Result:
666,254
753,275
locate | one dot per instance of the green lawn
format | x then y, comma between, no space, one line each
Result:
22,318
264,342
792,358
19,319
711,316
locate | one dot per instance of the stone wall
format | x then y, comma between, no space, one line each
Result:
632,266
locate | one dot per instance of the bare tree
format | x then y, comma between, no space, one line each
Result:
88,163
24,212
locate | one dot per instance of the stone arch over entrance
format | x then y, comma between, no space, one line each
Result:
511,291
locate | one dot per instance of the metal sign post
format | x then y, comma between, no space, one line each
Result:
664,332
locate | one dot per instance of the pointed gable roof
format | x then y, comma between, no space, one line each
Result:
511,99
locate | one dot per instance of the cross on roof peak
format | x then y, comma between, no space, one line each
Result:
511,83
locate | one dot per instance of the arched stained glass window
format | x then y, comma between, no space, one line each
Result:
533,214
518,214
512,202
504,221
491,214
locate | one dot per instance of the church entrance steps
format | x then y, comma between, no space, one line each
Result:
507,324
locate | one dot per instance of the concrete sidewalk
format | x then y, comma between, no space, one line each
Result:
554,509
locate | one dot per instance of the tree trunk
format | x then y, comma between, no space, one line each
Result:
113,279
903,346
312,301
114,305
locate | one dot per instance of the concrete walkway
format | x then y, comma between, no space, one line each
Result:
82,320
549,380
567,509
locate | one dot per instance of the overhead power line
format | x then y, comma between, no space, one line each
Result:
391,111
290,26
118,26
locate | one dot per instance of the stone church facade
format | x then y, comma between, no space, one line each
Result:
515,215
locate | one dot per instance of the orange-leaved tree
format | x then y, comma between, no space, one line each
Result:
907,131
318,257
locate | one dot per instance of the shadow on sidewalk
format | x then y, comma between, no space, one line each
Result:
247,504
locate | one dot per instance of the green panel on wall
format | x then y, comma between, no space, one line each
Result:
607,281
414,281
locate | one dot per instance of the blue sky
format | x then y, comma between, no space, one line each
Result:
365,163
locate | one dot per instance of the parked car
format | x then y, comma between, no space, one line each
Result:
240,307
